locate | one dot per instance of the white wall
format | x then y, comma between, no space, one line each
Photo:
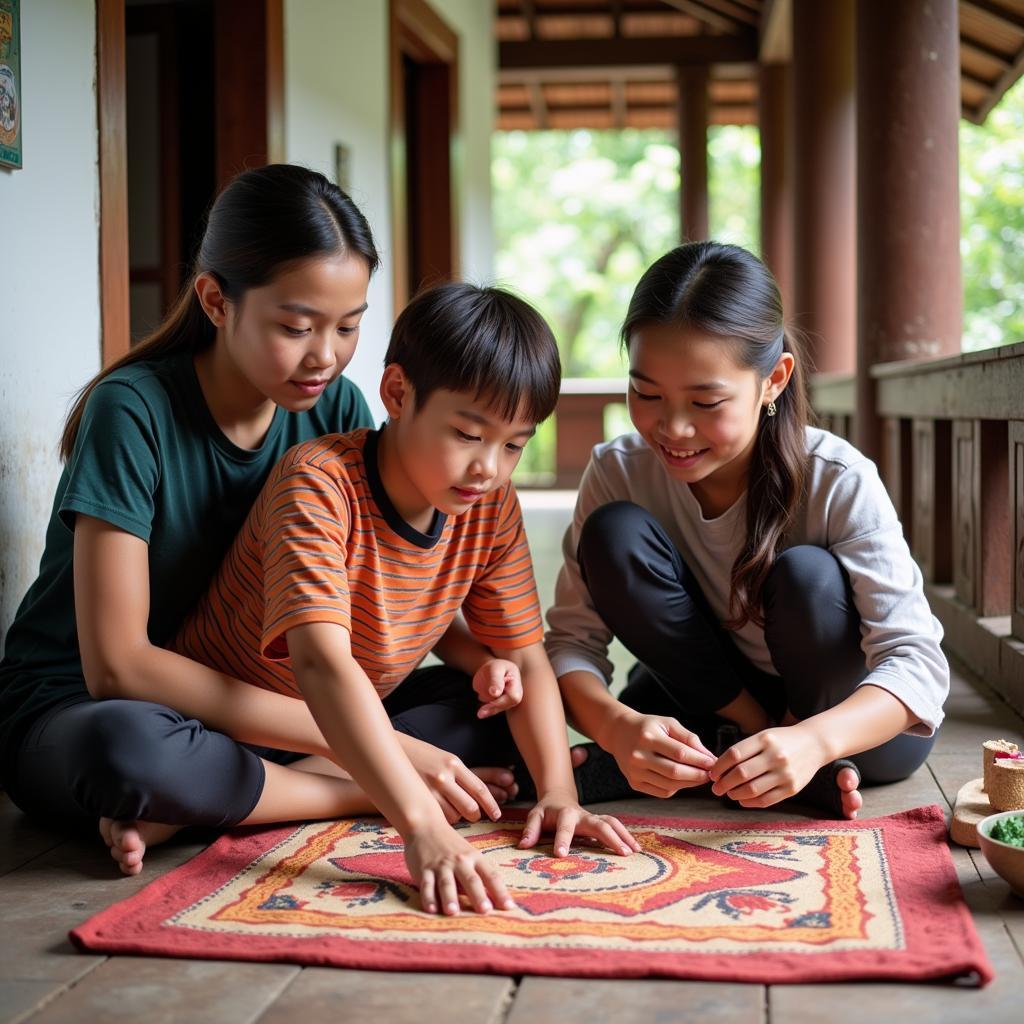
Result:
49,288
336,90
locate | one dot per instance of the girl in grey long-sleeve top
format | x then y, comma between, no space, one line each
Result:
752,564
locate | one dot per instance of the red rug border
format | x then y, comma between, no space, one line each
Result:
953,948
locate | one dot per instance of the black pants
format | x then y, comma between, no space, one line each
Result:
129,759
688,666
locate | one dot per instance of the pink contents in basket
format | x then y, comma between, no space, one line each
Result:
1007,756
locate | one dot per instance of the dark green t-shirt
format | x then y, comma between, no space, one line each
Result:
149,459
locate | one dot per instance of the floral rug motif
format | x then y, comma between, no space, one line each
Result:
772,903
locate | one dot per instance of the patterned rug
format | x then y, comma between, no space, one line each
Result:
770,903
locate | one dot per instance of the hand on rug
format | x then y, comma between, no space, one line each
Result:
442,864
561,813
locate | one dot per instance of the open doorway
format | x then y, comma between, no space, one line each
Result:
189,93
424,119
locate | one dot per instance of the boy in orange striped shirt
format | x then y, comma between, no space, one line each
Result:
353,565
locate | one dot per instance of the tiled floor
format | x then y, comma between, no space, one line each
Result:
49,883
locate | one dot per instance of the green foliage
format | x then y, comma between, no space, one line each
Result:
580,215
992,224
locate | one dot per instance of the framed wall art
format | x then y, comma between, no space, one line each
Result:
10,83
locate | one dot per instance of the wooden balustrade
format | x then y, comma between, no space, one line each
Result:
953,461
579,423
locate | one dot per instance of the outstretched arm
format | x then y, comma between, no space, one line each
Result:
352,718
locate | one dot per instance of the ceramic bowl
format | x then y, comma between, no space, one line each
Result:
1007,860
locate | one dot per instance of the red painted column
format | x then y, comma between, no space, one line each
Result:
824,135
776,177
910,303
693,151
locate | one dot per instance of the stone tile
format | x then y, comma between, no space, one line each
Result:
166,991
50,895
591,1001
329,996
19,998
20,839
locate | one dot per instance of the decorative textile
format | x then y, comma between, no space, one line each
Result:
742,901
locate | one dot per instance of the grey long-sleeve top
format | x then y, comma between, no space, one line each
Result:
846,511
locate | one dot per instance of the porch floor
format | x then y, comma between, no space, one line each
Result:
49,883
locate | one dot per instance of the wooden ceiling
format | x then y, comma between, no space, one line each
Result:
611,63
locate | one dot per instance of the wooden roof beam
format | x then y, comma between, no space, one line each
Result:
985,52
1006,18
777,32
530,16
996,92
581,53
538,107
705,15
618,103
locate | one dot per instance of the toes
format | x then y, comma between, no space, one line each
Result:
105,827
847,780
579,756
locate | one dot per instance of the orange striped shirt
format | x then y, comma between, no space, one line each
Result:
323,543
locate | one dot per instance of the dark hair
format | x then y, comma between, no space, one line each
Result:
461,337
262,221
724,290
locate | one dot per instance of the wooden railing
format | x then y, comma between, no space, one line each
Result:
953,461
579,423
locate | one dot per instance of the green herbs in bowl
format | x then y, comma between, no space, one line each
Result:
1009,830
1001,837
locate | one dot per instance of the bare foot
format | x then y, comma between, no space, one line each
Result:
128,840
500,781
847,782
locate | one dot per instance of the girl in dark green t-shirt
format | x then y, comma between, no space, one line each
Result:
165,452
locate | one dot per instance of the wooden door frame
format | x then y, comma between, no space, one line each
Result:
112,124
417,31
247,141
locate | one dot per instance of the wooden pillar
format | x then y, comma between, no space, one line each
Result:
693,149
908,203
249,69
776,177
824,133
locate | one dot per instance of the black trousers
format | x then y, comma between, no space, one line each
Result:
688,665
129,759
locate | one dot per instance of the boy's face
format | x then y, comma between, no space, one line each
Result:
448,453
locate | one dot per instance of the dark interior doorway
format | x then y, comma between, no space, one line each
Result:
424,88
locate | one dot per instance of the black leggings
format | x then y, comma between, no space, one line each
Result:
688,664
130,759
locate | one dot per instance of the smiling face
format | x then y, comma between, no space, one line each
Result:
291,337
699,408
447,454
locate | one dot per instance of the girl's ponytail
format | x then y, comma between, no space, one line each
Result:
774,490
264,220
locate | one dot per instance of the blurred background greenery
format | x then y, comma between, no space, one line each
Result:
579,215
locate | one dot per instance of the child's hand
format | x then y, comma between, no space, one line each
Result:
497,682
769,766
657,755
562,813
442,864
462,794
